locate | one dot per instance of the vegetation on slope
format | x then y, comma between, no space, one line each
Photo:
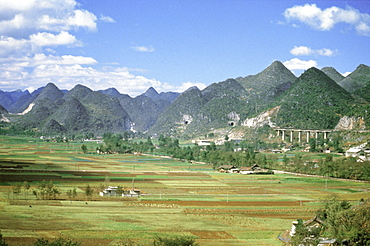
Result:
314,102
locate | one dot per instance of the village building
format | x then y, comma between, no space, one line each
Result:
228,169
133,193
246,170
360,152
110,191
312,224
202,142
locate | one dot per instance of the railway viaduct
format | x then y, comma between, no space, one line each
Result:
301,132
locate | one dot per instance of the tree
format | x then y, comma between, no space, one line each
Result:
305,235
72,194
312,145
84,149
343,221
26,187
89,192
175,241
46,190
2,242
17,189
56,242
286,161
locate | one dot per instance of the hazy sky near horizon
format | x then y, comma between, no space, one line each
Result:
172,45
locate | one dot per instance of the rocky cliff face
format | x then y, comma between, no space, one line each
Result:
350,123
262,119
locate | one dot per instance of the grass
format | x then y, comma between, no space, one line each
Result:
179,198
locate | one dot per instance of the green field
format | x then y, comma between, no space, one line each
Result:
178,198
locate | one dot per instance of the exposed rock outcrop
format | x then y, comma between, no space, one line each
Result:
262,119
350,123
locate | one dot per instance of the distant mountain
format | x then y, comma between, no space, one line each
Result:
143,110
24,101
218,105
176,117
357,79
363,92
72,115
3,110
8,98
111,92
21,104
79,92
315,101
39,112
167,96
51,91
267,85
106,113
151,93
333,74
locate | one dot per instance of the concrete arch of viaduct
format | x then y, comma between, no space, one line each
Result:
300,133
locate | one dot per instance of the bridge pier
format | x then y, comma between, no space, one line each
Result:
316,133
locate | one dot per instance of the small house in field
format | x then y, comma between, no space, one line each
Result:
132,193
246,170
110,191
227,168
255,169
135,192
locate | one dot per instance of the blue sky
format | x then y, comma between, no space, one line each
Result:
172,45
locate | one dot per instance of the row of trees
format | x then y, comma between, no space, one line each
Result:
211,154
45,190
345,167
341,221
158,241
246,156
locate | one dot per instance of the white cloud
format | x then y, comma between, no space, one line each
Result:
325,52
143,48
107,19
305,51
10,46
28,28
67,71
297,64
301,51
19,20
346,74
49,39
184,86
326,19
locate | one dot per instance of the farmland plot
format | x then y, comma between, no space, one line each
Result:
177,199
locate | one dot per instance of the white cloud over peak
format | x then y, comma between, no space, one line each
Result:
326,19
305,51
297,64
184,86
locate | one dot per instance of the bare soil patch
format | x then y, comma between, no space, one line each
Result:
212,235
232,203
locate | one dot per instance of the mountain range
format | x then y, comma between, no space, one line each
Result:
317,99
